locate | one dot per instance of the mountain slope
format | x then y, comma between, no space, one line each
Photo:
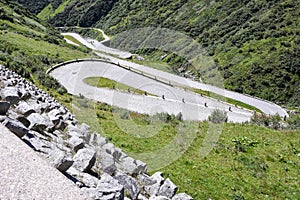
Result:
29,46
255,44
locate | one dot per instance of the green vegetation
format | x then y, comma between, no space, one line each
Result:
29,46
85,32
225,99
218,117
111,84
248,161
72,39
254,44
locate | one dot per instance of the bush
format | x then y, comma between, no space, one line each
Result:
218,116
267,121
165,117
294,121
61,90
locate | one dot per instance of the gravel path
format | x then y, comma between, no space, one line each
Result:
25,175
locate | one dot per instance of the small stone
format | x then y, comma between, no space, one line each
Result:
39,122
85,178
16,127
24,109
168,189
106,163
158,198
61,160
84,159
4,106
76,143
129,184
11,94
182,196
109,185
158,180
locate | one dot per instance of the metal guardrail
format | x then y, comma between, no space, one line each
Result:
134,70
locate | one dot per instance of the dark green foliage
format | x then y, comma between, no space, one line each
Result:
218,116
262,119
21,45
34,6
294,121
255,44
243,144
83,13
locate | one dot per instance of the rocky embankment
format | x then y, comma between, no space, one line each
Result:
101,170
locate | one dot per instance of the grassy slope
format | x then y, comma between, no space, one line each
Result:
29,46
111,84
247,161
255,44
267,163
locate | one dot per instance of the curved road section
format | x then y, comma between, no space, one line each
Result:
176,100
138,81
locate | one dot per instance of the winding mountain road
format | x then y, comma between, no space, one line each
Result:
191,105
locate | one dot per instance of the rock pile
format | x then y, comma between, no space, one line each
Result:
100,169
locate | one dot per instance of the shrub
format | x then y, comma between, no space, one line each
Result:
267,121
218,116
165,117
61,90
294,121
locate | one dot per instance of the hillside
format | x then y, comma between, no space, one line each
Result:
247,162
29,46
254,43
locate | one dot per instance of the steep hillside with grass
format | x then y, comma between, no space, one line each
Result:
254,43
248,161
83,13
29,46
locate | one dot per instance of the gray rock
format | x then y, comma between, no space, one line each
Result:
61,160
82,131
39,107
85,178
24,121
4,106
158,198
145,180
76,143
158,180
16,127
92,193
141,167
109,185
182,196
132,166
129,184
95,194
84,159
168,189
39,122
97,140
106,163
114,151
36,143
24,109
3,118
142,197
11,94
25,94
